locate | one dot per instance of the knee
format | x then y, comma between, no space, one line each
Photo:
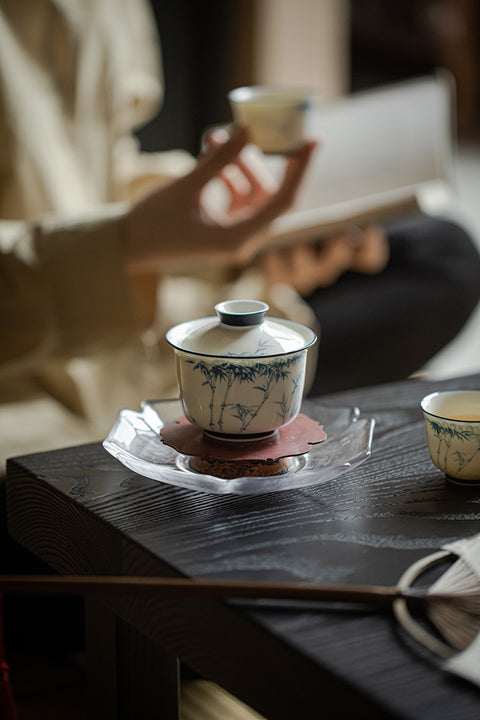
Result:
461,257
454,234
450,255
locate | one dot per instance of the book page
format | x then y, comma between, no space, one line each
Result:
325,222
378,148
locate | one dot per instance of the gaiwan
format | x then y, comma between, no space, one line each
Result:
240,373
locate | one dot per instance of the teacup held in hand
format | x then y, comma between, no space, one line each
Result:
275,116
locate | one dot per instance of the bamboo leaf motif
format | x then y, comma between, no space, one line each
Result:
284,406
243,412
263,346
446,434
231,374
225,374
212,374
296,382
445,431
273,372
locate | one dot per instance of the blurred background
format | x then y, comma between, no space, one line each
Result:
335,46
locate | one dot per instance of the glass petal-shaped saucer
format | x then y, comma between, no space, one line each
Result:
136,442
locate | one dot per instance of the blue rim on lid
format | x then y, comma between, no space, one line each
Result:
241,313
240,329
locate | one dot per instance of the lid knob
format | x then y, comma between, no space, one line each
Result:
241,313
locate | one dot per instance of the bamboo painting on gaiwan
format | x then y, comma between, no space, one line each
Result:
240,374
260,383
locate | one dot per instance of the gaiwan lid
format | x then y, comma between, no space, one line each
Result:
240,329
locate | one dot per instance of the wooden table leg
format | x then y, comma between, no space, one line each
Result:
128,676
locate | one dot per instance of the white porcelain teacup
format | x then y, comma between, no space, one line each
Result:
452,421
274,115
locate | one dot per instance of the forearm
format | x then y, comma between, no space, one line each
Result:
64,290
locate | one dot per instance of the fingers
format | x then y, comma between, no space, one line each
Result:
334,258
235,181
243,236
247,192
247,177
276,269
373,254
313,267
296,167
281,200
255,171
217,136
218,156
305,267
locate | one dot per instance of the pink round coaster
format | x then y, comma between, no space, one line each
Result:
293,439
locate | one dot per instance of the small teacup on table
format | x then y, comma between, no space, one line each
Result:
452,421
274,115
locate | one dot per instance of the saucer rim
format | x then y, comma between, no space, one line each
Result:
175,473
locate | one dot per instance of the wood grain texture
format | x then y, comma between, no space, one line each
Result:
83,512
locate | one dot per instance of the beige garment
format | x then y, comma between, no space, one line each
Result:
76,77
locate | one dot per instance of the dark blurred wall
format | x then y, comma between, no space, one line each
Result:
400,39
206,51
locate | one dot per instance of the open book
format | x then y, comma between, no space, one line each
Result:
384,153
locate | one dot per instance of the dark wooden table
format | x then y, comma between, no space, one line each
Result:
82,512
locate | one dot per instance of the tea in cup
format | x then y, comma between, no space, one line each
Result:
452,420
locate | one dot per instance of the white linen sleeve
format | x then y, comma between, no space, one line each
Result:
63,289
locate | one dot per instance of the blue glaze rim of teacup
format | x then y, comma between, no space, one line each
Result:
445,393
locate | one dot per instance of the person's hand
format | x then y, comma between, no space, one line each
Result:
171,225
372,251
248,181
308,266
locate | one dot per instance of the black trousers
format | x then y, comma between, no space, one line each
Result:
382,328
